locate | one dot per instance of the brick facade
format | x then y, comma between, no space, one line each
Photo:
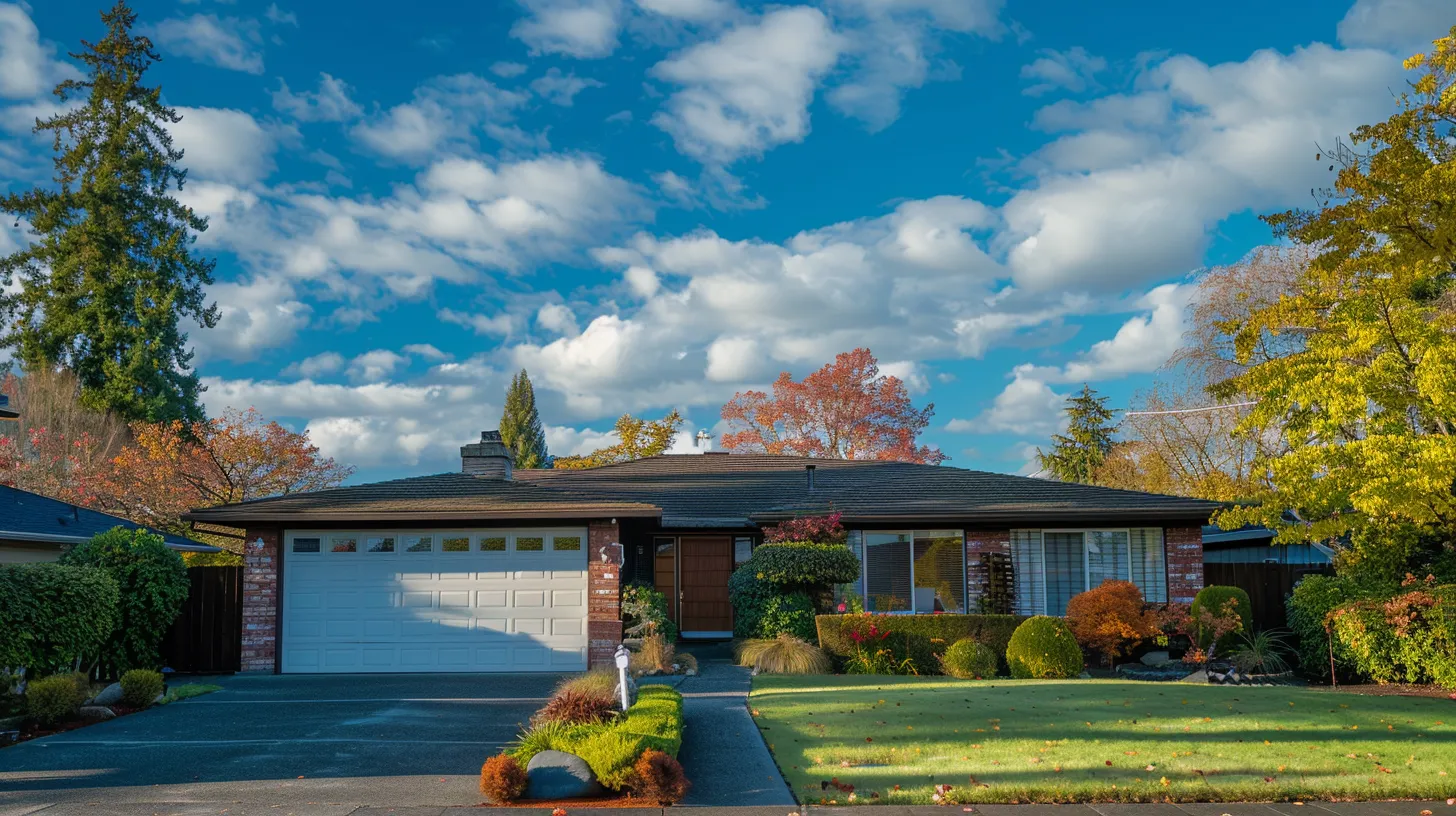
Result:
1183,552
604,592
260,600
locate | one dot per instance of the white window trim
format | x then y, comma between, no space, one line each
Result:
1086,562
864,567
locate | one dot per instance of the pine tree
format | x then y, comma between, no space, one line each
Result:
1075,457
111,272
520,424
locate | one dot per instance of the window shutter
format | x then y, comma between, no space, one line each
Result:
1148,570
1029,571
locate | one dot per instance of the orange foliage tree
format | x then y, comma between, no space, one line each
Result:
845,410
1111,619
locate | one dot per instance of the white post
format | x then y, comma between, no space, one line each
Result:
623,658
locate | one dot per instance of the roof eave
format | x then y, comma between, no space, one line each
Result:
1034,516
344,515
46,538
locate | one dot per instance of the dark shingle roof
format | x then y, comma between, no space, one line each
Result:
723,490
26,516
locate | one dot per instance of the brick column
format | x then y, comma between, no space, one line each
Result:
604,592
1183,548
978,545
260,600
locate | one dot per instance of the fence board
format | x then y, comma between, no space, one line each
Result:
1268,586
207,636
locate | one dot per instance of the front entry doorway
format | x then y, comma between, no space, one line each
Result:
704,564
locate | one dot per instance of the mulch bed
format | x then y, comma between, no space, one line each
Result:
1390,690
31,730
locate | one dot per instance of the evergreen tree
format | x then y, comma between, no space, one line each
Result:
110,272
1076,456
520,424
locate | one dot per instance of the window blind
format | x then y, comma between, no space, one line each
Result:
1148,570
1029,572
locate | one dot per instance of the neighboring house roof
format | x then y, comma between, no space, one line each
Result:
729,490
26,516
5,412
1253,533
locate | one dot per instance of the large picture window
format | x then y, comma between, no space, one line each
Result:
1053,565
915,571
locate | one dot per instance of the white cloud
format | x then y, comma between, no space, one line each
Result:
558,318
748,90
28,67
330,103
1026,407
426,351
1143,344
909,372
443,113
499,324
278,16
1406,26
734,359
316,366
222,144
375,366
226,42
696,11
562,440
254,313
561,89
506,70
586,29
1072,70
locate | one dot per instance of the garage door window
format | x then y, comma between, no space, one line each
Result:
455,544
306,545
418,543
566,543
492,543
379,544
344,544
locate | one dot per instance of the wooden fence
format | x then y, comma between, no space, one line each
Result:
1268,586
207,637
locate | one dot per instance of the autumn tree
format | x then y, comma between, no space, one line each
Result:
1367,401
110,273
520,425
1076,455
637,439
845,410
58,447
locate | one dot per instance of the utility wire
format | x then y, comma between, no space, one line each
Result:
1190,410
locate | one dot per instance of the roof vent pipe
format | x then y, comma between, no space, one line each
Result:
809,473
488,459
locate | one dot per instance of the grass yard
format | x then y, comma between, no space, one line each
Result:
892,740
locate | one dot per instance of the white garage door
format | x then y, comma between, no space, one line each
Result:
431,601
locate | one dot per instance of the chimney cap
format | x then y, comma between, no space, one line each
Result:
488,458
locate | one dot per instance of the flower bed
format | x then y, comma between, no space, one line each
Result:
915,642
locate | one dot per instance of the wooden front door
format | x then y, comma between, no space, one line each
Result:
705,564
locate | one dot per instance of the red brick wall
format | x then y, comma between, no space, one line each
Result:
260,600
1183,548
604,592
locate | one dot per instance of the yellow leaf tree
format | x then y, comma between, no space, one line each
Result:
638,438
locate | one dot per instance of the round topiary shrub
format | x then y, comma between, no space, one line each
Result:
502,779
140,687
658,777
1215,599
789,614
969,660
1043,648
53,699
776,589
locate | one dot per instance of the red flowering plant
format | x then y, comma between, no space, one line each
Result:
872,655
818,529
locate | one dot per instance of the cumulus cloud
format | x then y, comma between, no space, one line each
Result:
330,103
696,11
561,89
1400,25
1072,70
316,366
28,67
1026,407
444,112
375,366
226,42
586,29
222,144
254,313
558,318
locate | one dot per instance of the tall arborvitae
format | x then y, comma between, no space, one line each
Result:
110,272
1076,455
520,425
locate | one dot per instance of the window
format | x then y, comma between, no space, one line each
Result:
921,572
306,545
418,543
379,544
742,550
455,544
530,544
493,543
566,543
344,544
1053,565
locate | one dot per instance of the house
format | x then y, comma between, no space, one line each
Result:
491,569
38,528
1249,559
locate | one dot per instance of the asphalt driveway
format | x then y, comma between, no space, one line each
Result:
287,741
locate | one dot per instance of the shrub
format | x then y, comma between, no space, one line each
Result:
577,707
502,779
1409,637
645,611
803,565
655,654
1043,648
53,699
1309,607
784,654
1111,619
789,614
53,616
139,687
779,588
1213,599
596,681
611,749
920,639
970,660
659,778
1262,653
153,584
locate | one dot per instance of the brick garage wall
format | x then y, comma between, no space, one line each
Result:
978,544
1183,547
260,600
604,592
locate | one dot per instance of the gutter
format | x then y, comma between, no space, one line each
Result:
287,517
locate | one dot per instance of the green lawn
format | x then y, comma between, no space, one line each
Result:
895,738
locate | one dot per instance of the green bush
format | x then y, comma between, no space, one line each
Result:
920,638
52,616
139,687
1409,637
803,565
1214,598
644,610
788,614
776,591
1043,648
970,660
53,699
1307,612
153,584
655,722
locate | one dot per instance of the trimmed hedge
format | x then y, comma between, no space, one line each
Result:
153,583
52,615
1214,599
774,592
1043,648
803,564
654,723
921,638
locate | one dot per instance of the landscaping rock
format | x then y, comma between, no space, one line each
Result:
559,775
96,713
631,692
1200,676
1154,658
109,696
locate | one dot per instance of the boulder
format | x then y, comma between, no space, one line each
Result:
1199,676
109,696
1155,658
96,713
559,775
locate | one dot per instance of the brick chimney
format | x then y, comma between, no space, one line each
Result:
488,459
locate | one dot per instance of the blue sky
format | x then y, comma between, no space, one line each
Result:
657,203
